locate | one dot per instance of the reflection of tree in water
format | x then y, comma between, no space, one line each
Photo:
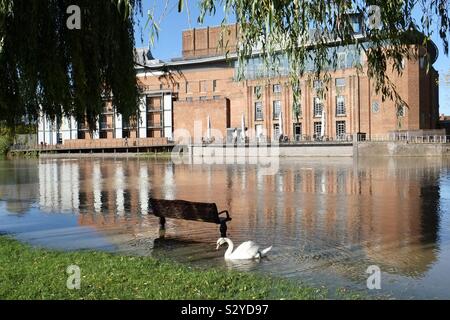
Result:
430,195
19,184
412,252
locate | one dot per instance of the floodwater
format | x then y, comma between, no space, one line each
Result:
328,219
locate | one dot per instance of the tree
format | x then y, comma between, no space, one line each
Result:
46,66
282,27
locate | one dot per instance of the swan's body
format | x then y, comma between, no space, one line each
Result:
247,250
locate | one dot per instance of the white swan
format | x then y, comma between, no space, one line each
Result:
247,250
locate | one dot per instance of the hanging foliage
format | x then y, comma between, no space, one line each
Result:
310,33
47,67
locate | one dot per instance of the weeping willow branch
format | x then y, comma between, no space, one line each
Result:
308,34
45,67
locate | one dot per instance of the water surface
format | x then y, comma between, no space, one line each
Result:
328,219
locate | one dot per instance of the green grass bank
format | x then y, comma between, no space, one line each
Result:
34,273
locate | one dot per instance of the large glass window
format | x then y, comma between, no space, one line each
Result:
276,109
259,111
297,131
341,129
276,131
318,107
317,129
340,106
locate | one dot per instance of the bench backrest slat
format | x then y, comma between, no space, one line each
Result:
181,209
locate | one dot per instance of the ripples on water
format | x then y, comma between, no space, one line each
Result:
328,219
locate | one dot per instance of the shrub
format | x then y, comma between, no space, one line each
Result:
5,143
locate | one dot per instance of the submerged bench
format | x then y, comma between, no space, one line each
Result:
187,210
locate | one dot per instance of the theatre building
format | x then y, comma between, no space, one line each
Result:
179,97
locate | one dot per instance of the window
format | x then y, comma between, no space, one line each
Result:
318,107
125,123
340,82
375,107
177,86
277,88
341,60
189,99
297,131
214,85
276,131
340,106
276,109
400,111
258,111
216,97
257,92
203,86
203,98
317,129
340,129
356,24
160,86
297,111
317,84
188,87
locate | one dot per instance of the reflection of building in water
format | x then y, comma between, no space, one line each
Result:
388,207
59,185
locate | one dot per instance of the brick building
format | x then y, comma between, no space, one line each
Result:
179,96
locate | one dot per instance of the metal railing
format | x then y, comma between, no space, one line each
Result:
404,138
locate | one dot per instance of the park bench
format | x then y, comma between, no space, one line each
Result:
187,210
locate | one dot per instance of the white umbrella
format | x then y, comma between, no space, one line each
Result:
243,128
280,119
208,130
323,124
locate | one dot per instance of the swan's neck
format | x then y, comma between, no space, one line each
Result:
230,247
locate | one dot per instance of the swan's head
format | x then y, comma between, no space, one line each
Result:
220,242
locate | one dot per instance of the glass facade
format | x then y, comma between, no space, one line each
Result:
255,68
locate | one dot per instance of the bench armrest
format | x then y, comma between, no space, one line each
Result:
225,211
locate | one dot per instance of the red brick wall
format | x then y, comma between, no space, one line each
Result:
186,113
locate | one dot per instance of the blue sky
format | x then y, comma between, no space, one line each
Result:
169,43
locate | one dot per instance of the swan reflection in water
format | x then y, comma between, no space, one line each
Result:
242,265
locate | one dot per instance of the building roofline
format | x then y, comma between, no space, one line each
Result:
213,26
233,56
